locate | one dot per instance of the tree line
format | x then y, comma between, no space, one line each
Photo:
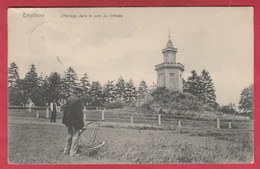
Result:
43,89
202,86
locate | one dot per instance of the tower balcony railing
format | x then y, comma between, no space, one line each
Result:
170,65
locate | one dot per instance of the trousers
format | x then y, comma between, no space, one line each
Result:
71,146
53,116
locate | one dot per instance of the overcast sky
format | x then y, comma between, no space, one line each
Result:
129,44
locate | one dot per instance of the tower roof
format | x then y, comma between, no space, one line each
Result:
169,46
169,43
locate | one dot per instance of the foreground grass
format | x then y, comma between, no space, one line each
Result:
36,141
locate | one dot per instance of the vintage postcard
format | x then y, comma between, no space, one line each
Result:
131,85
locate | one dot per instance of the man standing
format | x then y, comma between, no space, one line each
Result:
53,107
73,120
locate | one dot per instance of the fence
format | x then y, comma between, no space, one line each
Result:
164,120
138,118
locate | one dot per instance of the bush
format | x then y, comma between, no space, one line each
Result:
147,106
116,104
175,101
229,109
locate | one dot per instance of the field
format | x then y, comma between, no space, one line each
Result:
33,140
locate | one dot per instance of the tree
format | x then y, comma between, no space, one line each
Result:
120,89
131,93
96,94
53,87
15,94
201,86
30,87
69,81
31,77
185,85
192,84
151,88
109,92
14,90
246,102
207,90
41,93
13,74
143,88
85,84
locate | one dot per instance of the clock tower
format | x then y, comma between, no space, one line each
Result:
169,73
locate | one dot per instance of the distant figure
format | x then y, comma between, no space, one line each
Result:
73,120
58,106
53,107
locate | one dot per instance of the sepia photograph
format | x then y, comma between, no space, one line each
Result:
131,85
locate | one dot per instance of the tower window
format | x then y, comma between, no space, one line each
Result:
171,78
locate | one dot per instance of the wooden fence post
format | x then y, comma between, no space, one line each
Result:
37,114
47,112
229,125
103,115
159,119
179,123
132,120
218,123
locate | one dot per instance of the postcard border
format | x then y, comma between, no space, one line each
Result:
5,4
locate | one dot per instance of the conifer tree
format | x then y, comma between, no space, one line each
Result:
109,92
192,84
120,89
96,93
54,87
201,86
143,88
207,90
131,92
13,74
69,81
14,87
30,87
85,84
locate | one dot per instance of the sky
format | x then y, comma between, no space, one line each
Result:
128,42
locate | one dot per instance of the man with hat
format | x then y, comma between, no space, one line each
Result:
73,120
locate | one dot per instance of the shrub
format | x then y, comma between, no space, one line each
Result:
116,104
228,109
175,101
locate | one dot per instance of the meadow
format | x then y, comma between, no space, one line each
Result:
32,140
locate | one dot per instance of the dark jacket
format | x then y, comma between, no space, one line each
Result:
73,113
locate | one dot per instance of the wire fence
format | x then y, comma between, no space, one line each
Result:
172,120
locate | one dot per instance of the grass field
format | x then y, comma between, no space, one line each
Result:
34,140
